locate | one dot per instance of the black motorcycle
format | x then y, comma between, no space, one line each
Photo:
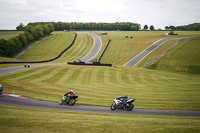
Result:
123,103
71,100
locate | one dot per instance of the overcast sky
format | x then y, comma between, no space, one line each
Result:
159,13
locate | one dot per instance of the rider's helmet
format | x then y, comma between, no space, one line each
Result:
126,96
1,88
72,92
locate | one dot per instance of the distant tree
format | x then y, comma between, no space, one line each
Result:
151,27
146,27
28,28
37,31
29,36
4,48
23,39
171,27
46,30
166,28
15,44
134,27
51,27
20,27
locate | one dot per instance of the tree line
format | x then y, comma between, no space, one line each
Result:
194,27
124,26
12,46
146,27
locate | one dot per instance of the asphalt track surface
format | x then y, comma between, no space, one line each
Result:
147,51
96,47
28,103
13,69
20,102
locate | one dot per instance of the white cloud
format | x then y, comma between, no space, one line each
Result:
159,13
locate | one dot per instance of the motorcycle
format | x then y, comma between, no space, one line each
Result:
1,89
71,100
123,103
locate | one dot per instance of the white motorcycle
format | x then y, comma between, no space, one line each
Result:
123,103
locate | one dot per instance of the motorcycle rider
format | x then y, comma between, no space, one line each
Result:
124,99
70,93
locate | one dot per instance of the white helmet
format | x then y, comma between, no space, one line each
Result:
72,91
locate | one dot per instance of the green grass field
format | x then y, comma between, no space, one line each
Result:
98,86
9,34
49,48
81,48
15,119
184,57
53,46
160,87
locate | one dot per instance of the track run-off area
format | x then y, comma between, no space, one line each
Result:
23,102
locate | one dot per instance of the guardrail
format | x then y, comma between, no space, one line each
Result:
98,60
89,63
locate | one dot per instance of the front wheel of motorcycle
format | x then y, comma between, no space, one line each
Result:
130,107
72,102
113,107
61,102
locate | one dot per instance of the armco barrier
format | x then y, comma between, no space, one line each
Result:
44,60
89,63
104,50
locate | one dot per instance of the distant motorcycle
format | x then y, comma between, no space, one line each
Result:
123,103
1,89
71,100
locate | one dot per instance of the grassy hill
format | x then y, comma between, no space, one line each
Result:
98,86
9,34
54,45
184,57
122,49
49,48
154,88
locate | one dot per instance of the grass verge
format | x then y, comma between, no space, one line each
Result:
184,57
17,119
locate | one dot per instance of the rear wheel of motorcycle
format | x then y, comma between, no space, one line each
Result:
113,107
61,102
72,102
130,107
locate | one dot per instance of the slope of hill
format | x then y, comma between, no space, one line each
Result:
184,57
48,48
122,49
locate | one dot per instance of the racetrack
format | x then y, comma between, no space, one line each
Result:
95,49
88,57
21,102
13,101
13,69
147,51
